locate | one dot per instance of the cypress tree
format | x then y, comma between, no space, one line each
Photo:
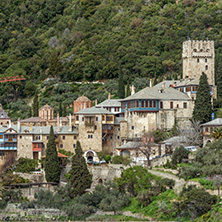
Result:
203,108
121,87
60,109
64,111
35,106
80,178
128,90
52,168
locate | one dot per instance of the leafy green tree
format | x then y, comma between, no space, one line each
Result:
134,180
52,168
64,111
80,178
121,87
195,202
35,105
179,154
217,133
60,109
203,108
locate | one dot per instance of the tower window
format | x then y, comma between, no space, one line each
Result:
206,67
205,60
198,60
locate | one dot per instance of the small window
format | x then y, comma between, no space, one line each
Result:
132,127
97,118
206,67
63,137
118,137
74,146
77,118
205,60
178,106
198,60
184,105
1,136
47,137
111,137
161,105
88,136
74,137
118,129
61,145
95,127
82,118
171,105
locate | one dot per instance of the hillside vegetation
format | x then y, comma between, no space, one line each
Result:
79,40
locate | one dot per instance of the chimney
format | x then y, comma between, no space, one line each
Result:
58,125
109,96
96,102
163,84
132,90
40,130
30,127
10,124
70,123
18,125
150,83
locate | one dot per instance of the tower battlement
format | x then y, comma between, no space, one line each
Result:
198,56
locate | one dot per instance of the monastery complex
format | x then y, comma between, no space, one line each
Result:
114,126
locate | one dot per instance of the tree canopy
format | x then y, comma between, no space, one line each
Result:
203,108
52,168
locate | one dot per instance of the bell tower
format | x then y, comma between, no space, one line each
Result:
198,57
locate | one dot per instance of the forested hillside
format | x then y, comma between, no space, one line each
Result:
100,39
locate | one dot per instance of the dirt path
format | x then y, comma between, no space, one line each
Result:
179,183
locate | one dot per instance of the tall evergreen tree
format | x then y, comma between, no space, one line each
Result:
203,108
52,168
64,110
60,109
35,106
121,87
127,90
80,178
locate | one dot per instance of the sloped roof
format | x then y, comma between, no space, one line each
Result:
156,93
215,122
39,129
83,99
38,119
59,155
46,107
3,114
93,110
167,83
130,145
110,103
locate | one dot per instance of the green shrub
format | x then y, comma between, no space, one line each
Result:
26,165
179,154
121,160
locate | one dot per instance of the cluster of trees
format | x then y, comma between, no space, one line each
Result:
87,40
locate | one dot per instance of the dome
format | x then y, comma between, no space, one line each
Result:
45,107
83,99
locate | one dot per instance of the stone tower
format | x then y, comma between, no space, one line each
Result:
198,57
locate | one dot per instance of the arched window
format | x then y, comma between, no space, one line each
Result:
206,67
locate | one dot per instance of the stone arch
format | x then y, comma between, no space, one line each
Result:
89,155
100,181
209,141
